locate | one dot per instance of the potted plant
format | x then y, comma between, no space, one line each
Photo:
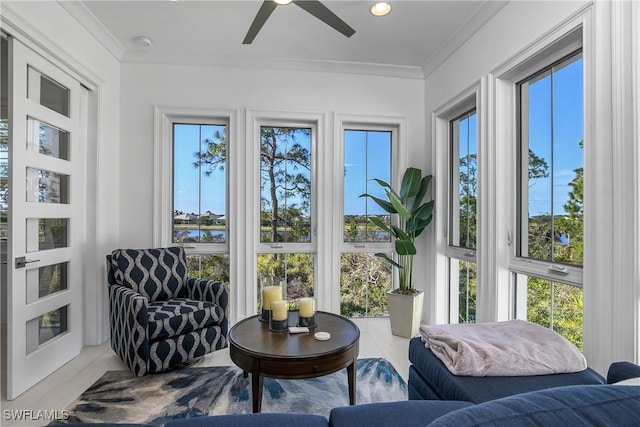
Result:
414,215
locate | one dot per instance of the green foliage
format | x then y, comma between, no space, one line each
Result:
467,280
208,266
543,243
557,238
364,282
414,215
285,167
296,270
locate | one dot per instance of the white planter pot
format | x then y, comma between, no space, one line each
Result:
405,313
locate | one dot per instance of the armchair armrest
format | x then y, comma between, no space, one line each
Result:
128,321
208,290
620,371
211,291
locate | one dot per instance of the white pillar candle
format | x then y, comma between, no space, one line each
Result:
269,294
279,310
306,307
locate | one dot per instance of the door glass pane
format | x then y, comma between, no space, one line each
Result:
285,184
48,92
46,327
46,139
47,187
46,280
365,280
47,233
293,272
199,183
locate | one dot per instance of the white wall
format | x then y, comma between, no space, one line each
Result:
248,90
54,31
611,285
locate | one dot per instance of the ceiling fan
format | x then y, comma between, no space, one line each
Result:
314,7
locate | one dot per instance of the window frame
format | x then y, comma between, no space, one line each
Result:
287,247
165,118
346,246
336,168
353,247
454,253
554,271
202,247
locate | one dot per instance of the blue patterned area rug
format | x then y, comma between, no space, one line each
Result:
156,399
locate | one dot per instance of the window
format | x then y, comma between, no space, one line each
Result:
365,278
549,238
461,249
200,196
286,227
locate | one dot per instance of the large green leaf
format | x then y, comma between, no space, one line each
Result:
399,233
423,211
421,225
424,187
382,203
398,205
383,184
405,247
410,183
378,222
389,260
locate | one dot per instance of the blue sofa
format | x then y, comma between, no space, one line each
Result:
604,405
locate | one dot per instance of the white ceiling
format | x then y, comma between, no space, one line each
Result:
411,41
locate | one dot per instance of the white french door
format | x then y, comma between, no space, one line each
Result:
46,194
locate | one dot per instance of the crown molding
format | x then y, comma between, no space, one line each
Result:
88,20
14,24
484,12
323,66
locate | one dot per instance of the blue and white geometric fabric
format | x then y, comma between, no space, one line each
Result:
157,274
159,317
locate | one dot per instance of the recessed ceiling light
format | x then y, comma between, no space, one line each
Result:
381,8
282,1
143,41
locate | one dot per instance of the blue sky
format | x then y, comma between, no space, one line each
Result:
563,110
367,153
188,180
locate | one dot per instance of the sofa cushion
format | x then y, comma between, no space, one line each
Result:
249,420
157,274
620,371
179,316
604,405
411,413
447,386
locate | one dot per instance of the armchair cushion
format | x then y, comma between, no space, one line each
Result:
180,316
157,274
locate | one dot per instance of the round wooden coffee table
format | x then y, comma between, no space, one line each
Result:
257,350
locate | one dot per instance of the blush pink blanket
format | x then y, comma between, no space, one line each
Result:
510,348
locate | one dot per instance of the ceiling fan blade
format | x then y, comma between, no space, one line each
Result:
321,12
267,8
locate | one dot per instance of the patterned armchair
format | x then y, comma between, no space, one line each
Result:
159,317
